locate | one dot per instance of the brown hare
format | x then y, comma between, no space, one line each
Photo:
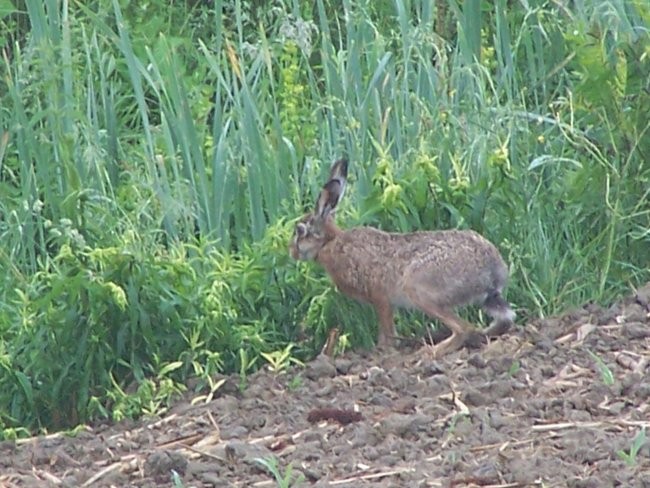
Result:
434,272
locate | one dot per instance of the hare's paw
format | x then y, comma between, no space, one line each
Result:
386,342
450,344
498,328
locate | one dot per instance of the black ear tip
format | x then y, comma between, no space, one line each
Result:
343,165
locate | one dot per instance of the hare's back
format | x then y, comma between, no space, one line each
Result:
445,249
452,267
459,266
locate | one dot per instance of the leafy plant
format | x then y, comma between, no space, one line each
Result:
514,368
637,444
295,383
283,480
455,419
279,361
177,480
606,374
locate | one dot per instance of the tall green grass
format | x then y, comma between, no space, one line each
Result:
150,169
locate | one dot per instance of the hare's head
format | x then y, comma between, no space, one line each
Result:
315,229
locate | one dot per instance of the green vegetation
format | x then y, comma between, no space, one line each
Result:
638,442
285,479
606,375
153,156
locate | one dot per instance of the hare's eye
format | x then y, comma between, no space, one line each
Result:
301,230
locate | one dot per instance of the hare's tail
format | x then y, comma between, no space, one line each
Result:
497,308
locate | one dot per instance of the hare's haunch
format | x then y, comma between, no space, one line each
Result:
434,272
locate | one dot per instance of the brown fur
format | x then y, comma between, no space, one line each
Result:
431,271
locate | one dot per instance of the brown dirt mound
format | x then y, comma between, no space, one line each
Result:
557,402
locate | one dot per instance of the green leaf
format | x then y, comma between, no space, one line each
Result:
168,368
26,385
6,8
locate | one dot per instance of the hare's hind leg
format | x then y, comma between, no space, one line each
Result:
461,330
503,316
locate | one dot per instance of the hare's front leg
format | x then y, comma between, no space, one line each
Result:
386,325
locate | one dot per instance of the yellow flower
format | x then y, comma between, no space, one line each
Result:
391,195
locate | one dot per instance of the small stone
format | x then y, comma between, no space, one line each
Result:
389,460
630,381
636,330
475,398
197,468
402,425
380,378
590,482
321,367
325,391
616,408
212,479
579,416
544,343
635,312
225,403
496,419
643,391
477,361
547,371
487,471
311,474
520,471
159,464
343,365
501,365
433,368
370,453
239,451
237,432
404,405
364,435
501,389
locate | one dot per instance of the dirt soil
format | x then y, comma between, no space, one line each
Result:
557,402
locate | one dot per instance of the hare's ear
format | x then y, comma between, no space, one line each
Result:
333,190
339,171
